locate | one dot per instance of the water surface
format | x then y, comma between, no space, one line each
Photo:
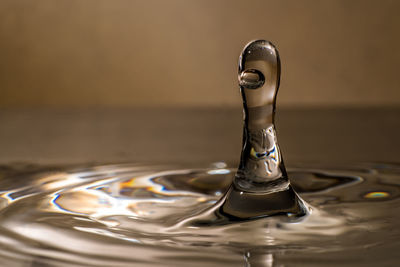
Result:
124,215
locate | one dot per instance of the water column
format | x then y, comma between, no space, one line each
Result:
261,185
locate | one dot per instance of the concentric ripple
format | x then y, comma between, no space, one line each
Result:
117,215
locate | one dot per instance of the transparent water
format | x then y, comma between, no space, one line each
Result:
205,215
132,215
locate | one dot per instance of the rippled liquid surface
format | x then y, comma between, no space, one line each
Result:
140,215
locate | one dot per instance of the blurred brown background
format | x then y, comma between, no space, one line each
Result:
184,53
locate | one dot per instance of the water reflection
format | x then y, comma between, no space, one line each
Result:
121,214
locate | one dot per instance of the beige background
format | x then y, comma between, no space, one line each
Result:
178,53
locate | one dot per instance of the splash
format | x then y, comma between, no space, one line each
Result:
156,215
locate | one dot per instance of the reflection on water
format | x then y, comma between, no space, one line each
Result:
119,215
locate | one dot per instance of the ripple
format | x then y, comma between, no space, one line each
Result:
114,215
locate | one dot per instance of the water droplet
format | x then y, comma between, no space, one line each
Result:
251,79
261,186
260,159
